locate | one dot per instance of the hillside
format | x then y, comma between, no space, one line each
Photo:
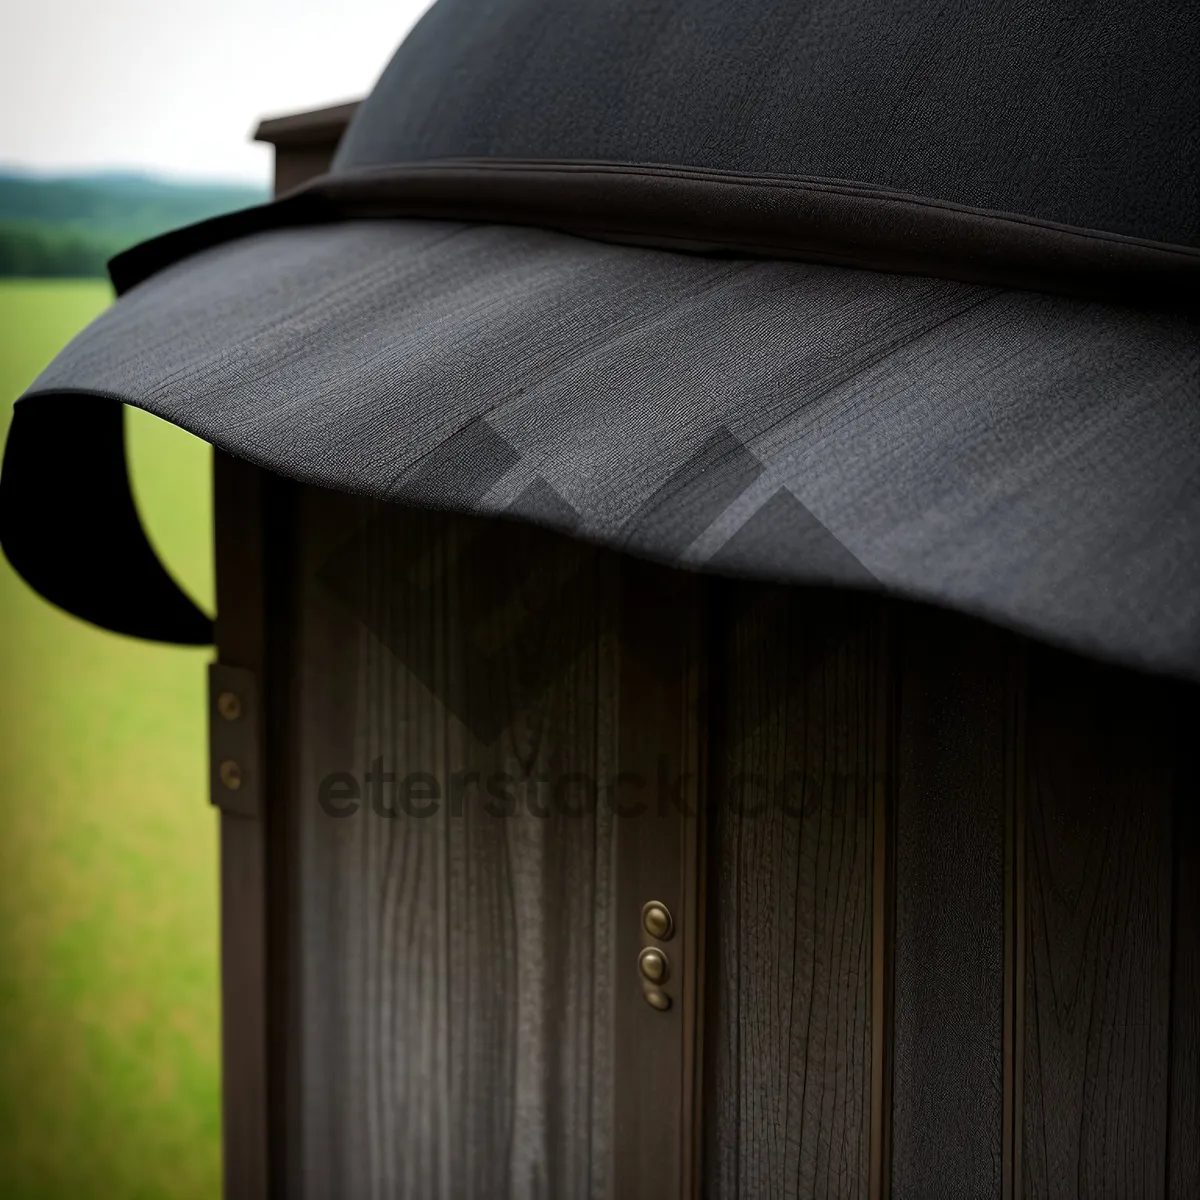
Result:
71,225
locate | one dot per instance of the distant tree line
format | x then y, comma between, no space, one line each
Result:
68,228
33,249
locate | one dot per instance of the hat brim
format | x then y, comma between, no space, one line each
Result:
1024,457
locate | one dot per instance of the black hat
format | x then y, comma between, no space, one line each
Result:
890,296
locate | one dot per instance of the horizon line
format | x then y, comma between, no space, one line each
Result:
167,175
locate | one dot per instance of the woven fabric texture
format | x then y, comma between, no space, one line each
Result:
1024,457
1081,112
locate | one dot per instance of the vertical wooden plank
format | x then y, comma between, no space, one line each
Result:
660,814
796,772
956,725
1101,779
1016,924
1183,1157
243,1004
240,520
469,904
694,909
883,924
278,715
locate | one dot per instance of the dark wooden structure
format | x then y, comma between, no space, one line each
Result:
932,887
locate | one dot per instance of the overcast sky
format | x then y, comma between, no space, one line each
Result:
177,86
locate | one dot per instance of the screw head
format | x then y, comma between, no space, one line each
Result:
652,963
230,774
657,998
229,705
656,920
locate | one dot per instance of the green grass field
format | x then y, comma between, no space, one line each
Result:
109,1067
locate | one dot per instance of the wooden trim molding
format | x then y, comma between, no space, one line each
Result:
883,912
658,1065
254,587
313,127
1014,928
239,515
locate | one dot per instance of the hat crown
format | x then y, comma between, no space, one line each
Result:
1080,112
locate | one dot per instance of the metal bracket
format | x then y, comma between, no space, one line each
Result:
235,780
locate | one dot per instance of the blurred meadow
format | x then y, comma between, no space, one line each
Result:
109,1064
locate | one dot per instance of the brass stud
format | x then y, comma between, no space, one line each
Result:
230,774
657,998
656,920
653,965
229,705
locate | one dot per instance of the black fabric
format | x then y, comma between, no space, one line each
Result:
1085,112
625,354
719,212
1023,457
69,526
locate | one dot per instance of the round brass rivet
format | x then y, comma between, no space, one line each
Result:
653,964
657,998
229,706
230,774
656,920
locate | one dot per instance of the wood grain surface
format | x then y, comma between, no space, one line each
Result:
951,942
457,1033
1101,783
955,723
1183,1133
794,765
1039,919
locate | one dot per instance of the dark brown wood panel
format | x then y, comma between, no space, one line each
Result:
952,921
1030,899
957,723
240,520
314,126
661,648
297,165
1102,775
457,922
475,698
798,758
1183,1134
